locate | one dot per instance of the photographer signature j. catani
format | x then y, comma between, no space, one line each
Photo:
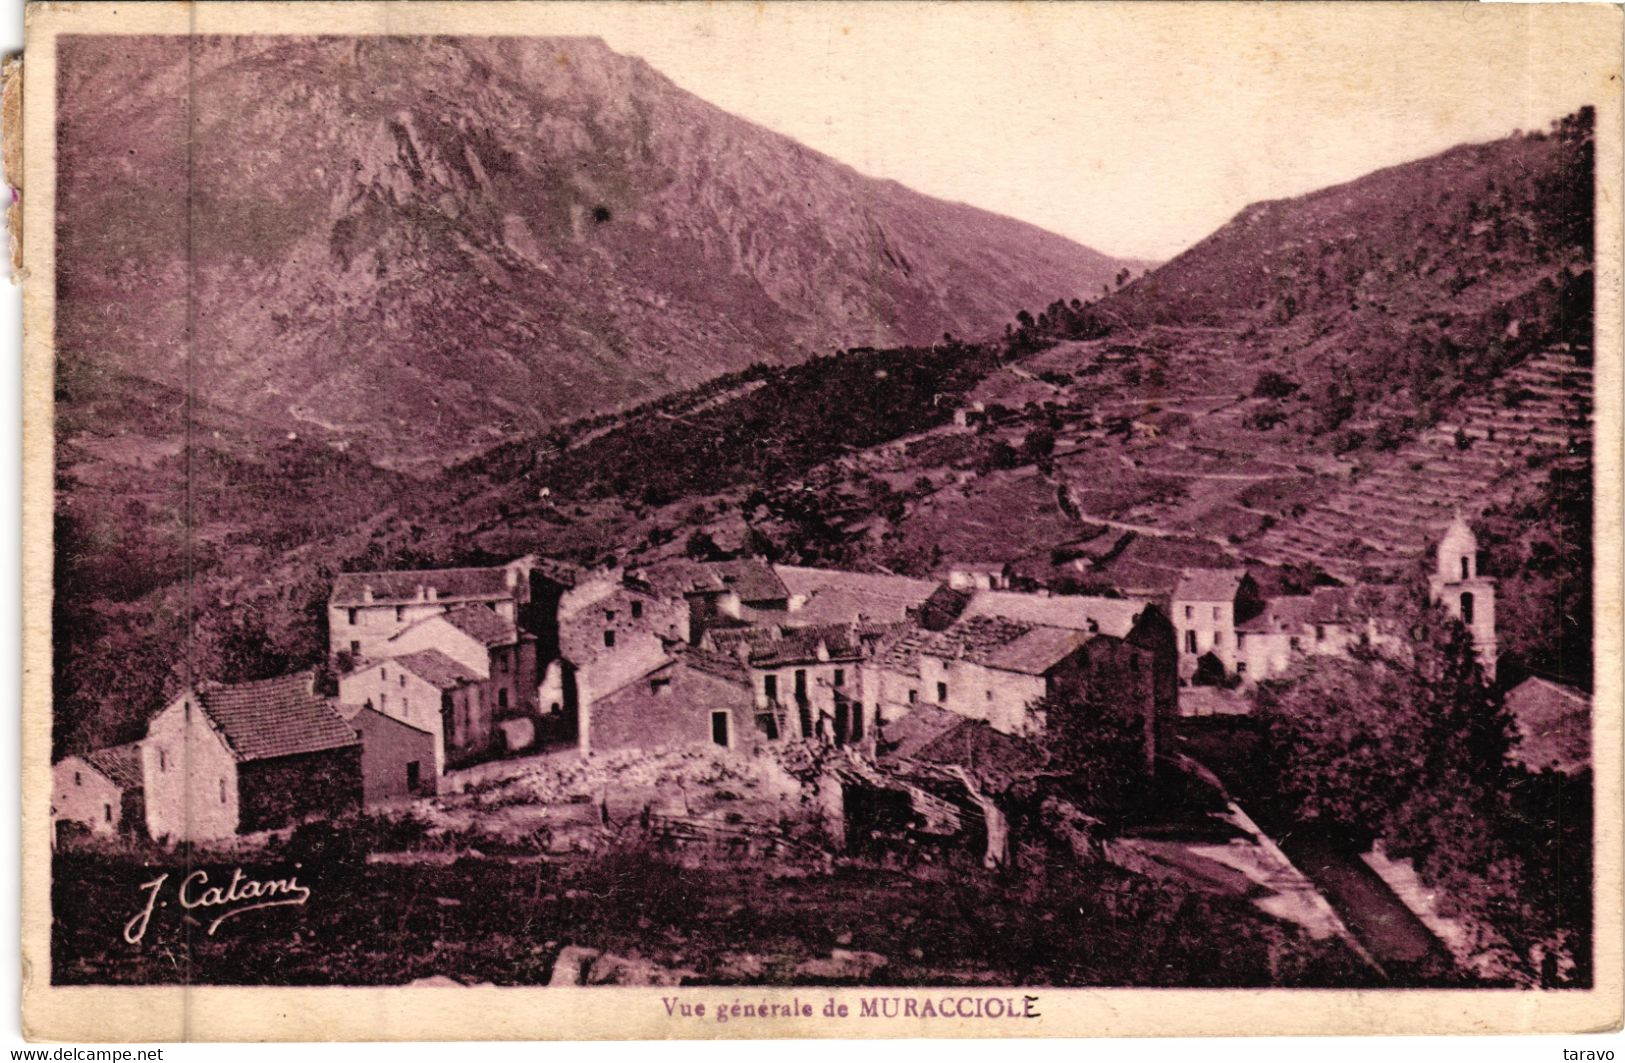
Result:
194,893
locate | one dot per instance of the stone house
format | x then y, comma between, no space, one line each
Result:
806,682
715,593
101,791
1269,641
1205,606
398,760
366,609
982,668
431,693
694,698
486,643
225,759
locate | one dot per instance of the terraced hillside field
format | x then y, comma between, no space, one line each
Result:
1396,503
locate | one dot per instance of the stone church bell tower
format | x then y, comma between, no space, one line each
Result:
1468,596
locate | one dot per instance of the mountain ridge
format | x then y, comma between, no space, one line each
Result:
418,249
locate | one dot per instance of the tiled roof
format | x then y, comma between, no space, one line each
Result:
483,625
992,642
121,764
1035,652
436,669
1108,616
923,724
834,595
481,584
752,580
1554,726
1209,584
974,744
368,716
274,717
1284,614
716,665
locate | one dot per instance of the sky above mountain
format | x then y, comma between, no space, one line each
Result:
1137,129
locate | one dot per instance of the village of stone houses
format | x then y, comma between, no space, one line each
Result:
1221,624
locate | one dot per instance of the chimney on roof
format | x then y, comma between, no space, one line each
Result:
434,594
366,593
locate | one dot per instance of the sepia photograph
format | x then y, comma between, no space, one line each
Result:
775,504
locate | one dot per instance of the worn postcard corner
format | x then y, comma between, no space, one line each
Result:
590,520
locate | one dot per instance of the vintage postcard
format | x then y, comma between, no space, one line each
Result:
598,520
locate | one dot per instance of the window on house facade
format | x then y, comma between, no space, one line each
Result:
222,791
1190,611
942,693
989,695
840,677
400,613
403,679
913,696
1296,643
1320,632
1218,637
1467,609
1241,639
1463,566
609,639
107,813
770,687
383,673
353,613
1216,612
355,648
502,698
637,610
1190,642
383,702
78,780
1241,667
609,615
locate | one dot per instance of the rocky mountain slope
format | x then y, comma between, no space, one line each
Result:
417,248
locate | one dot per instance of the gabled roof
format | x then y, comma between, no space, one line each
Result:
1288,613
367,716
991,642
835,595
751,579
121,764
274,717
1037,651
1076,612
1209,584
482,625
450,584
928,734
436,669
476,621
716,665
